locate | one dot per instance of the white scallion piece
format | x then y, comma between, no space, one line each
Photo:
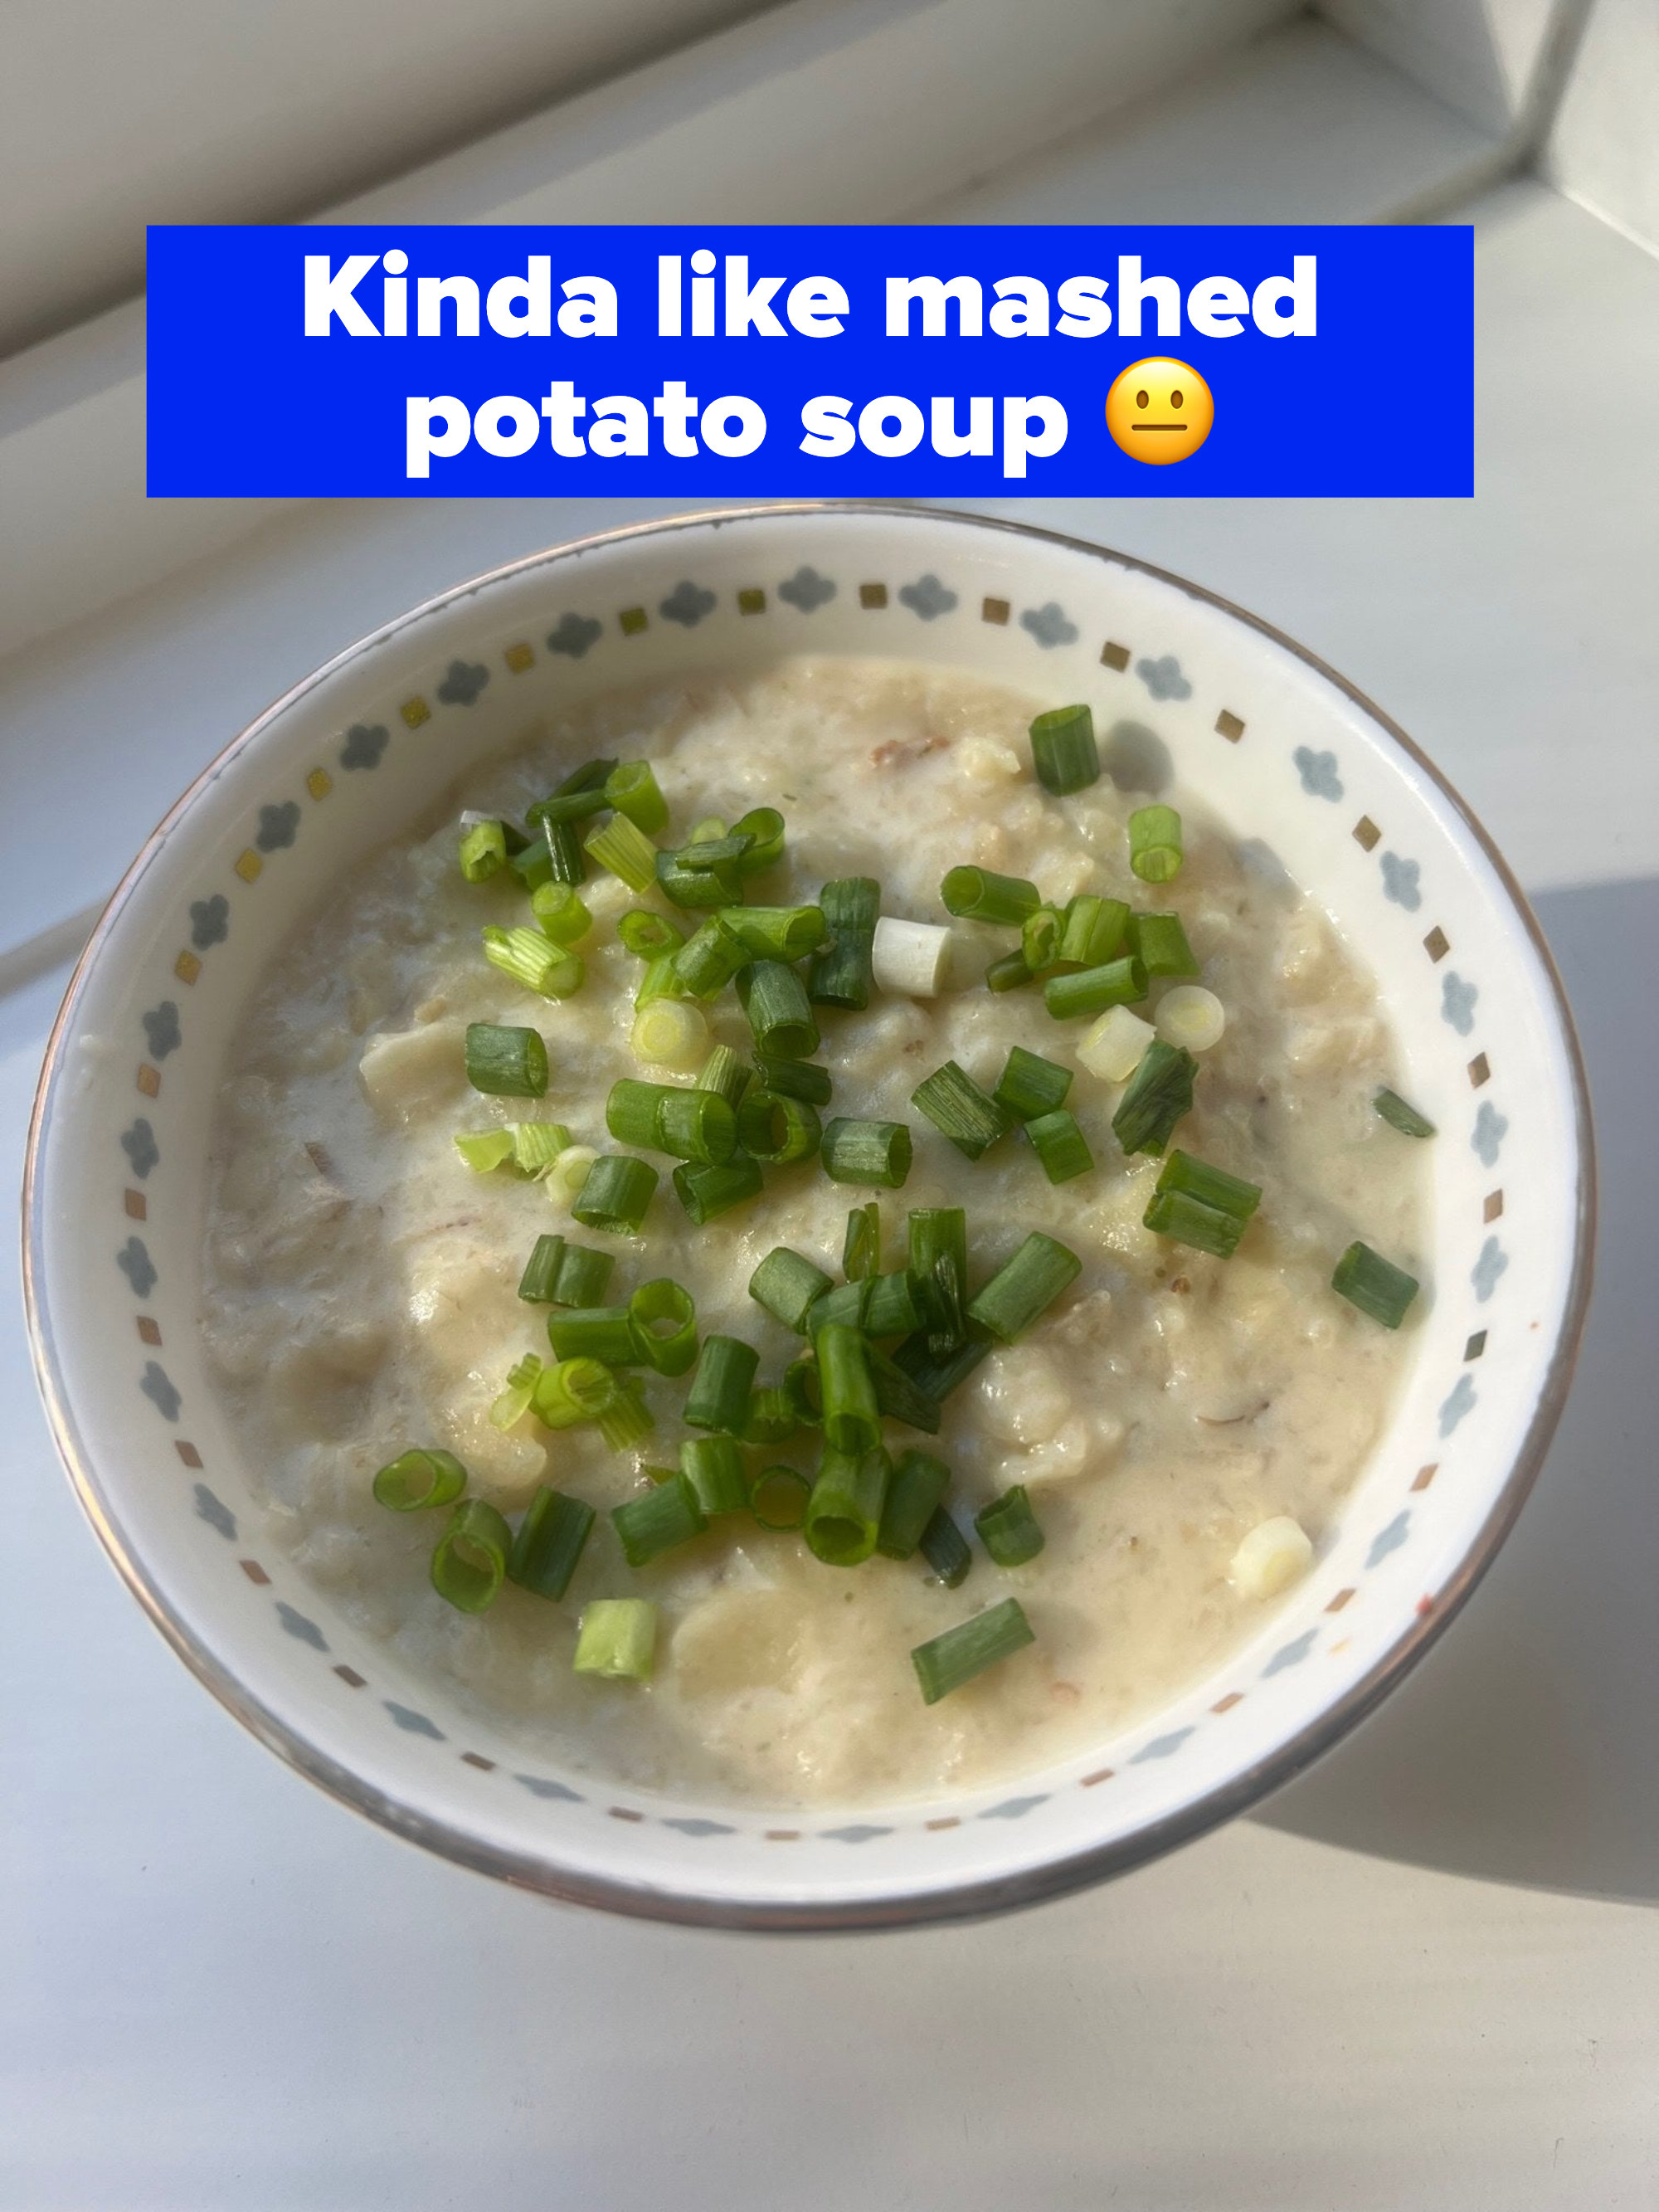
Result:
1115,1046
1275,1554
565,1178
1190,1016
910,959
670,1033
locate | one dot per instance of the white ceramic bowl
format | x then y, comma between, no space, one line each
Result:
1283,749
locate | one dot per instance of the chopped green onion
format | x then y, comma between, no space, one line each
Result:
772,1418
938,1373
1009,1529
593,1333
670,1350
646,934
914,1495
960,1110
616,1195
786,1283
1025,1286
632,788
624,848
724,1073
794,1078
416,1480
851,1419
706,1192
1091,931
566,864
659,981
712,1466
574,1391
486,1149
1189,1220
1113,1046
1158,1093
721,856
779,1014
899,1398
1214,1186
1155,843
763,829
776,1129
709,958
561,913
689,1124
777,932
548,1543
891,1308
1011,972
627,1421
700,887
670,1033
506,1062
1091,990
870,1152
514,1402
778,1497
541,1271
860,1251
718,1396
949,1661
1159,943
843,1514
840,975
709,832
980,895
656,1521
533,960
1374,1285
1395,1111
1063,750
1029,1086
910,959
1039,939
618,1638
470,1563
946,1550
483,851
847,1304
1191,1016
537,1144
568,806
584,1272
938,1261
800,1385
547,858
1060,1145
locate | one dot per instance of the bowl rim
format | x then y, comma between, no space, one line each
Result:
1051,1878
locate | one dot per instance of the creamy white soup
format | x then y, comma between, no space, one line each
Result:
1184,1426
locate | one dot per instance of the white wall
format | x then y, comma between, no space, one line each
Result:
114,113
1604,151
1478,56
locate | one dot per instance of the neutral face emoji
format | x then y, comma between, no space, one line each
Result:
1159,410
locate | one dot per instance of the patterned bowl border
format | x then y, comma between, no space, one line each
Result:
573,634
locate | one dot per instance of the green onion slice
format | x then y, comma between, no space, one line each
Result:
1025,1286
616,1195
777,932
840,975
646,934
664,1319
900,1398
938,1263
875,1153
718,1396
470,1563
670,1033
603,1332
561,913
949,1661
486,1149
960,1110
852,1419
1155,843
891,1308
505,1062
946,1550
483,851
624,848
786,1283
778,1497
1011,972
1395,1111
1060,1145
541,1271
772,1418
632,788
793,1079
584,1272
1063,750
776,1129
714,1470
980,895
1374,1285
1029,1086
774,998
1158,941
1039,939
664,1517
1157,1096
1008,1528
572,1392
533,960
420,1478
1091,990
709,958
939,1373
843,1513
763,828
708,1192
1092,928
860,1251
723,1072
549,1542
914,1495
514,1402
617,1638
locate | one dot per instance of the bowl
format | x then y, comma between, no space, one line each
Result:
1277,743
